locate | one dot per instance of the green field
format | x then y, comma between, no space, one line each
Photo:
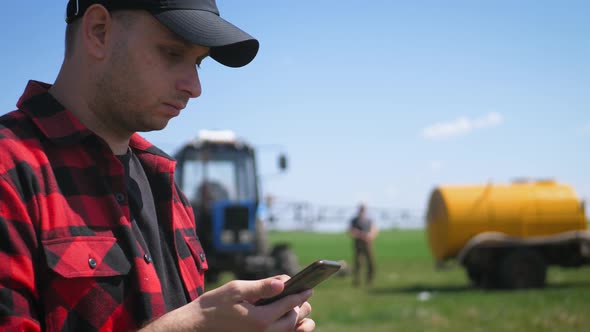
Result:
409,294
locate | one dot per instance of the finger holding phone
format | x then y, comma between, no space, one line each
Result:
302,283
273,304
295,319
230,308
306,279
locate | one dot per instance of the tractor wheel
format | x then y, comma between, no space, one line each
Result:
523,268
243,275
212,276
285,260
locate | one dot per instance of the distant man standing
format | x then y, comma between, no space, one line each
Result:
363,230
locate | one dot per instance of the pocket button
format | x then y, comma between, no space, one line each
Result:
120,197
92,263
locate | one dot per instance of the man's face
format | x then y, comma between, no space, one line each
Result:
148,76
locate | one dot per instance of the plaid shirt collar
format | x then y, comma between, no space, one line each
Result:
61,126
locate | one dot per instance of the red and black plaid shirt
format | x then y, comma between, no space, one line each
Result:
69,260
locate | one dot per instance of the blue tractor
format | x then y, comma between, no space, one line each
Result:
218,174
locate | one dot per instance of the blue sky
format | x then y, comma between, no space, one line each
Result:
377,100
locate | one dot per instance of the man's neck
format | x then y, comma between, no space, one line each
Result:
70,91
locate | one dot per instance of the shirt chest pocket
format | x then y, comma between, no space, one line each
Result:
85,274
197,252
86,257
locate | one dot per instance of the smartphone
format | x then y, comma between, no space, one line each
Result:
307,278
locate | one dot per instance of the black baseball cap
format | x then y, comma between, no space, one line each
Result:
196,21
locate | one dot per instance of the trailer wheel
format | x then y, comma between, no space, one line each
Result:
485,279
481,268
523,268
475,276
491,280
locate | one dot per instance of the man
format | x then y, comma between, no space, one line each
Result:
363,231
94,234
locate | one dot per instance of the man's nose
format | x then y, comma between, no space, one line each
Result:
190,83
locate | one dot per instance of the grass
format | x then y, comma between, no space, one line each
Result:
409,294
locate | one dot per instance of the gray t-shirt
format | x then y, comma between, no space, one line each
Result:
156,238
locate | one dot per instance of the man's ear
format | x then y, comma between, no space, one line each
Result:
96,29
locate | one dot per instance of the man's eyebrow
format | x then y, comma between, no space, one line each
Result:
173,37
177,39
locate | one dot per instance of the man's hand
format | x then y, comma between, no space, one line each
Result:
366,237
230,308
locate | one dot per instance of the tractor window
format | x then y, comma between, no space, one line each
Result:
223,175
193,171
214,180
246,176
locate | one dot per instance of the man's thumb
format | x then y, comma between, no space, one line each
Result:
264,288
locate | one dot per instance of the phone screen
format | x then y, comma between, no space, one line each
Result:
307,278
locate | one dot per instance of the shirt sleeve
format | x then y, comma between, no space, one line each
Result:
18,247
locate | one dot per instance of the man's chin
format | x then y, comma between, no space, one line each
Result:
154,126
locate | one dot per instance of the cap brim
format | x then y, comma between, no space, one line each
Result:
229,45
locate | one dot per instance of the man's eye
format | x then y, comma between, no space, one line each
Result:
173,54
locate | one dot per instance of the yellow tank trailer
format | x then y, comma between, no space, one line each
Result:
506,235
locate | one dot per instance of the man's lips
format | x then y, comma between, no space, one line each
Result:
174,108
176,105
